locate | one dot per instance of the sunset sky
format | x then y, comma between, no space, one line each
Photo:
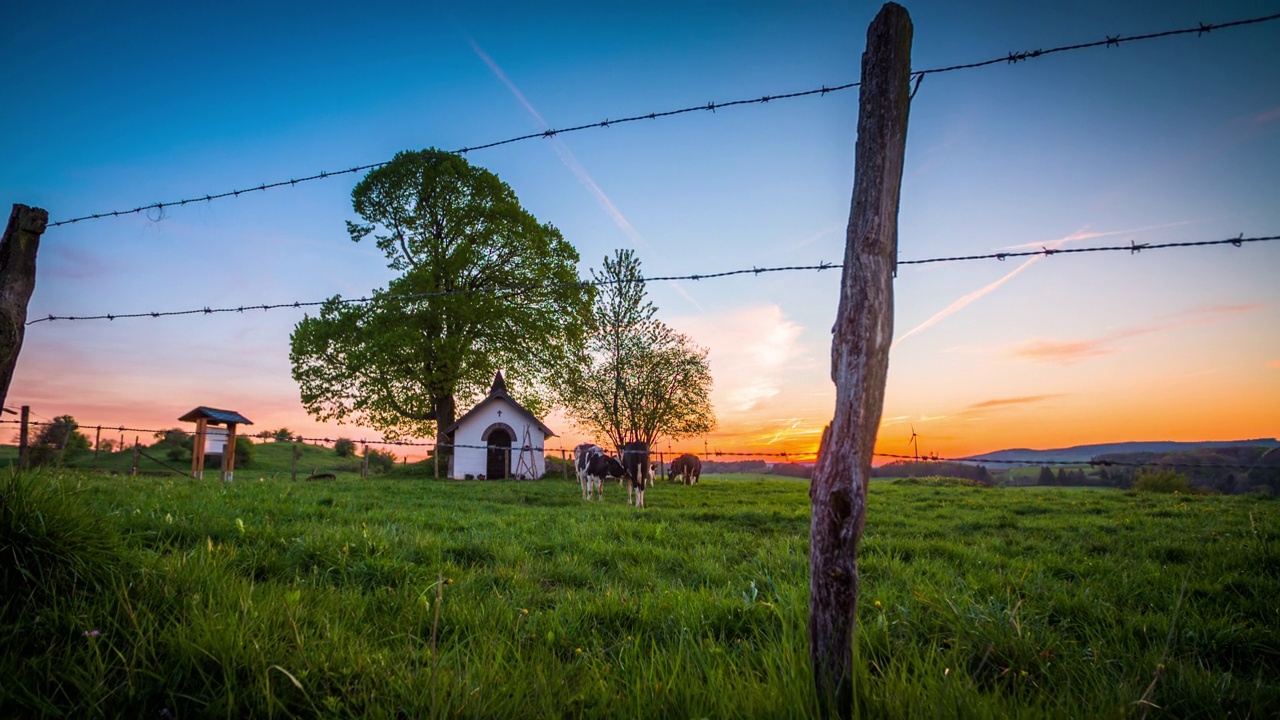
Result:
112,106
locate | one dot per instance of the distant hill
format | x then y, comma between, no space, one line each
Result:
1085,453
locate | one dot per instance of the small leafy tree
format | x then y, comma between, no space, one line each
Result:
282,435
344,447
57,441
176,438
638,379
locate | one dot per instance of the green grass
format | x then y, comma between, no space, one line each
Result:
275,598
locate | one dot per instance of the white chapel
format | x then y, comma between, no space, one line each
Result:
497,439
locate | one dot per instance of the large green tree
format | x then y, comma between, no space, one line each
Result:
637,379
483,287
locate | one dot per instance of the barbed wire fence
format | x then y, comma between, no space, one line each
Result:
1011,58
1132,248
918,76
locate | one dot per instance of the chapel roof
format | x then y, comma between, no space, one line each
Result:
498,393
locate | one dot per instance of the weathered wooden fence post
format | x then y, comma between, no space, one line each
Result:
18,248
564,464
137,450
859,357
293,466
97,442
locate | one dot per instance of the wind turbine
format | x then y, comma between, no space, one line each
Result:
914,442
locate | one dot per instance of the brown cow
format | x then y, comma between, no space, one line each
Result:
687,467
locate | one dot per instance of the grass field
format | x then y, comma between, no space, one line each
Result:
124,597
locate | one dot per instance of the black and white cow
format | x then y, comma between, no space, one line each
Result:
687,467
635,460
593,466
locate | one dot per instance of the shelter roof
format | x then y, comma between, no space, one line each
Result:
215,416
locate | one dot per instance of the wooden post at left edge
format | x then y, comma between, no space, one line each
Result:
18,249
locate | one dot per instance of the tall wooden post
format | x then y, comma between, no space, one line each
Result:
18,248
197,449
859,357
435,459
97,442
137,450
293,466
564,464
229,454
364,461
24,427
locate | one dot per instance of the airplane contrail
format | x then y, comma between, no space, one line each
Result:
570,161
566,156
981,292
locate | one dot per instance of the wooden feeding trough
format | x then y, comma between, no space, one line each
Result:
214,440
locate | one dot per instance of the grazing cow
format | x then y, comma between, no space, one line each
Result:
593,466
688,468
635,460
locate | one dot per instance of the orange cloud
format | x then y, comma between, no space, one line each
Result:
1006,402
1064,352
1071,351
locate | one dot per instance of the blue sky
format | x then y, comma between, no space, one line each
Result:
1167,140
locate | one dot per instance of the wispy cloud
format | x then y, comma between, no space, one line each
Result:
753,352
1266,116
1008,402
1085,234
1065,352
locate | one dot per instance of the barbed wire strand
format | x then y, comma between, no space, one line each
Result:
1132,248
1010,58
568,452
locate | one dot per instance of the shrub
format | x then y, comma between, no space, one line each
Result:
244,452
381,461
1161,481
345,447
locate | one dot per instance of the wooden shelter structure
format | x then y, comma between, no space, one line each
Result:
204,417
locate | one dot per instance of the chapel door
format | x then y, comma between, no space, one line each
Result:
499,465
